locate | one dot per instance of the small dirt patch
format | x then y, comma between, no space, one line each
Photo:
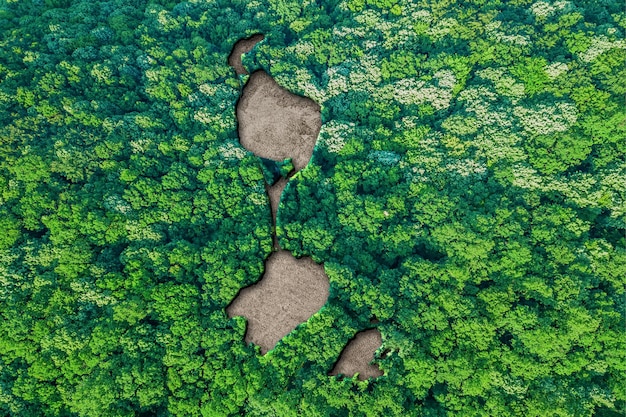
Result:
289,293
358,354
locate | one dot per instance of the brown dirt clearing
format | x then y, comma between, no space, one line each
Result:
276,124
358,354
289,293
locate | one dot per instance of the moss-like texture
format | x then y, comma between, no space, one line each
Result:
467,189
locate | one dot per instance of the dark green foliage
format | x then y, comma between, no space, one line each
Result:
285,167
467,190
273,170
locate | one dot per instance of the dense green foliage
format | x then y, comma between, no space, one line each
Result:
467,189
273,170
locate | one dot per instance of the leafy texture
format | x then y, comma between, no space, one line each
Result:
467,189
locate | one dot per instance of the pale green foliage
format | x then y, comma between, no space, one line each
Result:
545,120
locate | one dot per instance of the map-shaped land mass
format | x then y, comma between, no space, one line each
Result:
276,124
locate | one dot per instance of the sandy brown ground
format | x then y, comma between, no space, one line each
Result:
276,124
358,354
289,293
241,47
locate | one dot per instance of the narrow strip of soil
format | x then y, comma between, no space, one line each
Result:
241,47
358,354
274,192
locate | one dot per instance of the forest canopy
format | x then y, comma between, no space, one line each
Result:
467,189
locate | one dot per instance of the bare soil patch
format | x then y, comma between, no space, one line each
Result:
289,293
276,124
358,354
